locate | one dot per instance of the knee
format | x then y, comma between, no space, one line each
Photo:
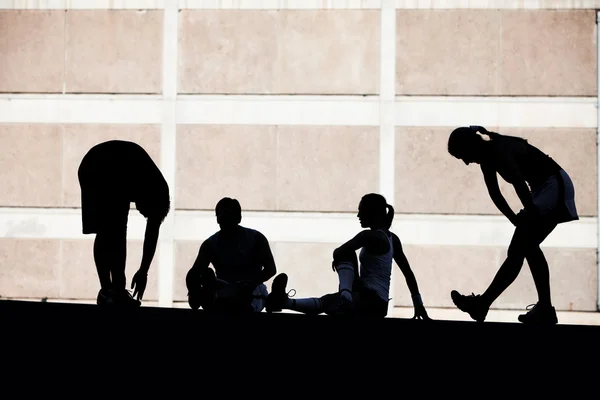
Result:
347,260
192,279
345,266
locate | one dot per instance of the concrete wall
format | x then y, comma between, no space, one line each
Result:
297,110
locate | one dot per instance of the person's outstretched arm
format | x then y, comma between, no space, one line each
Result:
138,283
491,182
411,281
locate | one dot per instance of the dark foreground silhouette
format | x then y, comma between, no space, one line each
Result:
363,289
242,260
548,197
112,175
47,344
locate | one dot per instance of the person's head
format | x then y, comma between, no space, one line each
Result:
467,145
375,212
228,212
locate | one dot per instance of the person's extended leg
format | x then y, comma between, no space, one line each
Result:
346,267
477,306
332,304
279,300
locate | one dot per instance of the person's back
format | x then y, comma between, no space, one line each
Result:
237,255
123,170
534,165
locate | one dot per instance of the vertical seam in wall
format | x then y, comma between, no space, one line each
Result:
64,74
386,98
62,204
168,160
278,28
499,55
597,161
387,89
60,267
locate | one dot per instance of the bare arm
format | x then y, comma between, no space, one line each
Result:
268,262
372,240
202,260
491,181
402,261
524,194
150,242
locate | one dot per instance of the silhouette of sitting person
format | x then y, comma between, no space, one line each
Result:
242,260
363,289
548,198
112,175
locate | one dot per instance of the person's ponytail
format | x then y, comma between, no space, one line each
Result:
389,215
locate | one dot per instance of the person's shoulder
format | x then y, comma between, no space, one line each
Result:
374,234
211,239
255,233
395,238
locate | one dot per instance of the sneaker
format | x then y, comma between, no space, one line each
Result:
276,299
113,298
104,298
123,298
471,305
540,315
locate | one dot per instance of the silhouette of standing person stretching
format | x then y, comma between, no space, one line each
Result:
548,198
363,289
242,259
112,175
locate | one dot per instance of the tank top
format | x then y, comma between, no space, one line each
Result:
376,269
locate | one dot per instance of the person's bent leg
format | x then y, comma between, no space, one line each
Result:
543,311
346,267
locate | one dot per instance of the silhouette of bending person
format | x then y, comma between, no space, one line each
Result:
548,198
363,289
242,260
111,175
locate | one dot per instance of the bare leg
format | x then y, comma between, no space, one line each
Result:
538,264
511,267
110,252
102,262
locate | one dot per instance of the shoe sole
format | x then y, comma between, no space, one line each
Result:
456,297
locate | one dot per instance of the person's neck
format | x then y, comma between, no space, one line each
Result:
230,230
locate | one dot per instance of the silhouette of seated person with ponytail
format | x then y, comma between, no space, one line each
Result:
363,289
242,261
548,197
111,176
